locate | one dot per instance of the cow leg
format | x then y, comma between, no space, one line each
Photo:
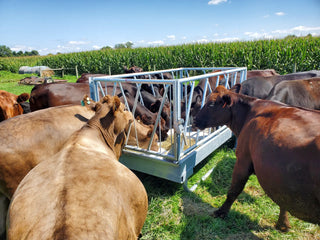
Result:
240,177
283,224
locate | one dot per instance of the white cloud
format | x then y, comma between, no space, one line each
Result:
258,35
158,42
96,47
216,2
266,16
305,29
22,48
77,42
230,39
280,13
172,37
298,30
203,40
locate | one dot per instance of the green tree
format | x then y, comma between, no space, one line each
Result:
123,45
106,47
5,51
34,53
129,44
119,45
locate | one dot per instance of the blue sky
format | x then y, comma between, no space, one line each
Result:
69,26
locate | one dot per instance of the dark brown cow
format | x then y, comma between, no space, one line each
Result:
147,117
262,73
57,94
10,104
85,77
279,143
83,192
212,81
300,93
260,87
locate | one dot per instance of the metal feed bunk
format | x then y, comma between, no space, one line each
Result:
185,148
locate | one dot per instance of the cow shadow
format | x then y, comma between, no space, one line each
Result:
199,222
201,225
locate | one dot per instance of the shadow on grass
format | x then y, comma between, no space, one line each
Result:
158,186
199,223
177,214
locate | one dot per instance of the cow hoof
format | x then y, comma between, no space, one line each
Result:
282,227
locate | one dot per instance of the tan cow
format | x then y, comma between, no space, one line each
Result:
83,192
28,139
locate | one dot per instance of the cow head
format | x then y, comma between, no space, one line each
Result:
113,122
142,133
10,104
165,113
217,110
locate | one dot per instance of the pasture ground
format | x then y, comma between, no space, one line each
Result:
176,214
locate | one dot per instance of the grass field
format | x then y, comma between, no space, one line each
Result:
177,214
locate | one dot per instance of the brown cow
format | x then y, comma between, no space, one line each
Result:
83,192
279,143
10,104
212,81
300,93
260,87
57,94
85,77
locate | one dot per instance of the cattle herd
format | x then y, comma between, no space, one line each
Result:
59,167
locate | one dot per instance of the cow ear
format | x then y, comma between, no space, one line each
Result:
116,104
97,107
236,88
87,102
149,133
23,97
226,99
106,99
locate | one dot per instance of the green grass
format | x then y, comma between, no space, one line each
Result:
177,214
10,82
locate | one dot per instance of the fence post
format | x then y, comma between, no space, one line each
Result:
77,71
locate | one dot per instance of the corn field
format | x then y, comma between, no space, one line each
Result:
284,55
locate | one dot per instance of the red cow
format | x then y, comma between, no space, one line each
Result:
279,143
10,104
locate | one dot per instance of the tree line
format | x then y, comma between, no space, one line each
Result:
7,52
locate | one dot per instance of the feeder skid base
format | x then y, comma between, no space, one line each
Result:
178,171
